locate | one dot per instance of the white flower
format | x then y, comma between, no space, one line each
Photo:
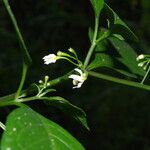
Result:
141,64
78,80
140,57
51,58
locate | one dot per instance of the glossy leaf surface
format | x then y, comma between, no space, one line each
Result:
28,130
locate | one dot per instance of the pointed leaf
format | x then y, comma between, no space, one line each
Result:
68,108
101,60
104,60
26,129
97,6
117,26
128,55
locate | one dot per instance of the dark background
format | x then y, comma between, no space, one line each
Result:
119,116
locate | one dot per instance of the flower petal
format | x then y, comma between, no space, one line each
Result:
76,77
140,57
79,71
51,58
78,85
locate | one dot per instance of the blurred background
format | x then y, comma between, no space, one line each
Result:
119,116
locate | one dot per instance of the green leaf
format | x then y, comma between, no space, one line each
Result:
124,32
128,56
68,108
117,26
64,105
101,60
104,60
26,129
57,101
97,6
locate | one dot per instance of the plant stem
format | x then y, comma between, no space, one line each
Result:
23,47
11,103
91,49
2,126
27,59
5,100
145,75
24,73
120,81
69,60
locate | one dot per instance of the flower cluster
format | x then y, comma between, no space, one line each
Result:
72,58
80,76
143,61
43,87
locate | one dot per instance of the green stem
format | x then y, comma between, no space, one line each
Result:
10,99
22,100
2,126
60,79
66,55
103,36
11,103
91,49
26,55
24,73
69,60
120,81
145,75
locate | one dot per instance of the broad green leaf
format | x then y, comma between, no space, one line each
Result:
117,26
56,101
104,60
101,60
125,32
127,56
68,108
97,6
64,105
28,130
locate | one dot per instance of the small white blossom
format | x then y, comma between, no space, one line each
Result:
78,80
141,64
140,57
51,58
71,50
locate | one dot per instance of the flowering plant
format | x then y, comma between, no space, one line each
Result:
24,121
